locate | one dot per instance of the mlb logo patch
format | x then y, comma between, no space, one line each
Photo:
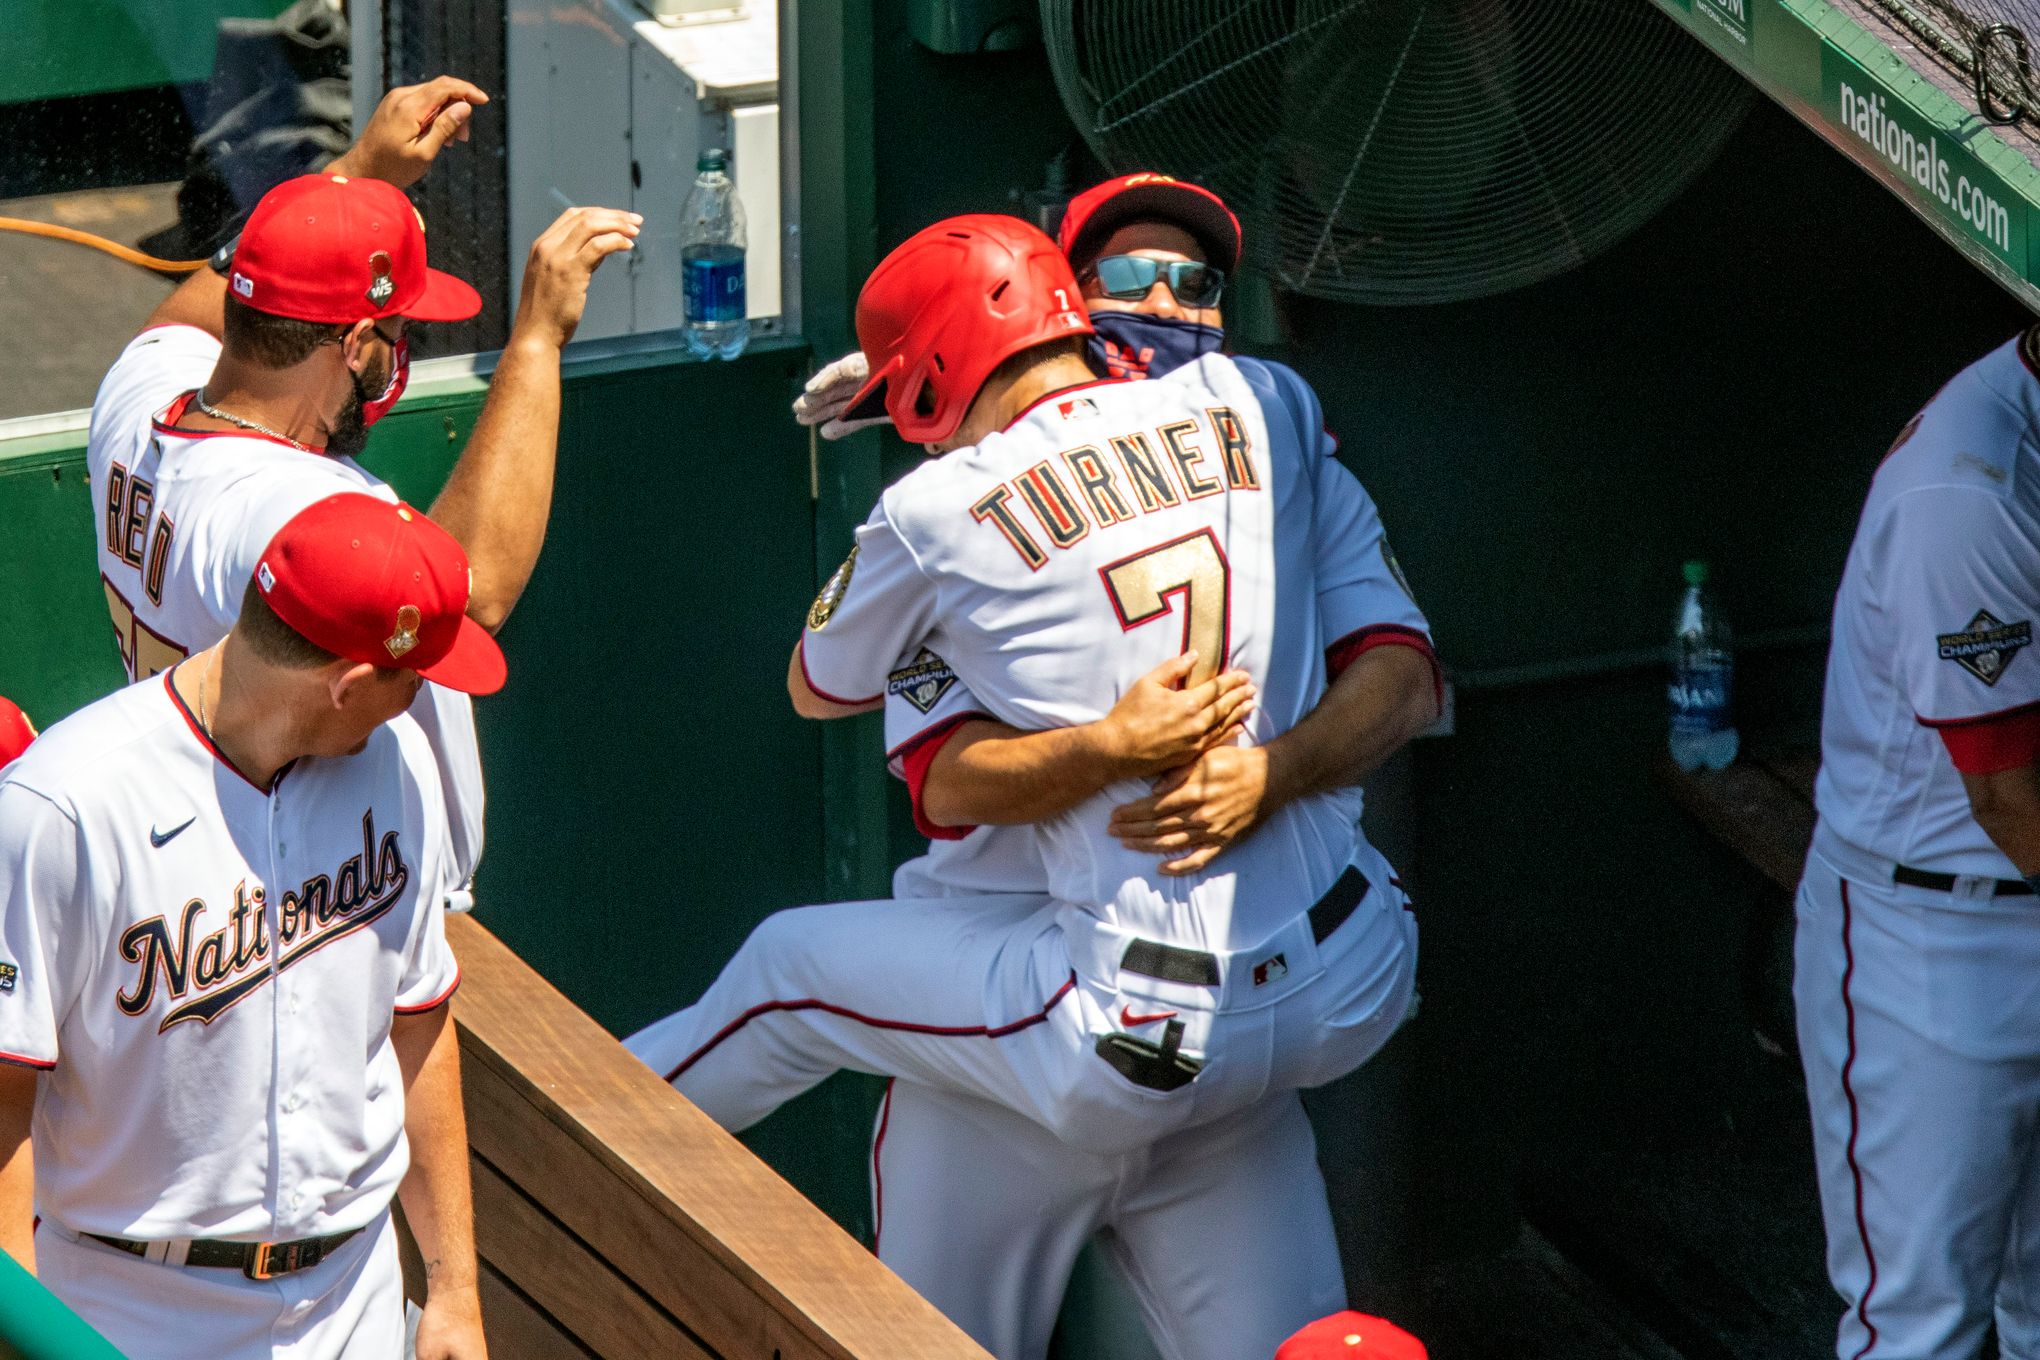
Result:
9,974
1076,408
244,285
265,576
1270,970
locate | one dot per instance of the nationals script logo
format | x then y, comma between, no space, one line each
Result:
230,964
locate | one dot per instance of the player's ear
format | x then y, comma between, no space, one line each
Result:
343,679
354,344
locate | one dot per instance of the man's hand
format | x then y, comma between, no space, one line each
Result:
1157,725
563,260
1198,810
409,128
828,394
451,1328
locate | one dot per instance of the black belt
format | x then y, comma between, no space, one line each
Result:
1199,969
1921,878
1164,1066
256,1260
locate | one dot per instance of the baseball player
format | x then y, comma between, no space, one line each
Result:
224,971
248,395
1206,958
1918,947
938,1229
16,731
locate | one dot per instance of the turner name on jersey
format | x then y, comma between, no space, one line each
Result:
1132,480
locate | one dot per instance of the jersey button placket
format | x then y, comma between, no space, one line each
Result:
287,1099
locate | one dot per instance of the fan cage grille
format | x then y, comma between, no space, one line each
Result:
1398,151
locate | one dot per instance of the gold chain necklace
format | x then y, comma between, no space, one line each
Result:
198,400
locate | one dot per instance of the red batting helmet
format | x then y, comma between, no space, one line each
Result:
16,731
949,306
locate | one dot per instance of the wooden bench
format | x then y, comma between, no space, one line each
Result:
1761,807
615,1220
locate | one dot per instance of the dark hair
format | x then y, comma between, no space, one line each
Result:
274,641
1013,365
271,341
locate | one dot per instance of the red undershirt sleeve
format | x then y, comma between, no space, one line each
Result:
1994,744
1358,643
915,761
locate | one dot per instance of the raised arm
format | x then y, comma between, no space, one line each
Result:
408,130
498,498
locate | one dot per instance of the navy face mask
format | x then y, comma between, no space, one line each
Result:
1135,345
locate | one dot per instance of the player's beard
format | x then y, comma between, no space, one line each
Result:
349,434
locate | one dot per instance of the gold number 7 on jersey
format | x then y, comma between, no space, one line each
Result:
1194,566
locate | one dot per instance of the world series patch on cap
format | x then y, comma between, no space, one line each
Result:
380,583
1352,1336
335,250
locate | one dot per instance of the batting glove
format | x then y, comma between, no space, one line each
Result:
829,392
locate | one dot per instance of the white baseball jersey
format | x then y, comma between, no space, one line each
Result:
207,972
1927,674
1110,526
183,517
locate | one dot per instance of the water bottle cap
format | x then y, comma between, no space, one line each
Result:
715,158
1696,573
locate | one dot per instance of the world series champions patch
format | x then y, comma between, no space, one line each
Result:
923,681
824,608
1987,647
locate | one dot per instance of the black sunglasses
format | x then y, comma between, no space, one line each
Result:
1129,277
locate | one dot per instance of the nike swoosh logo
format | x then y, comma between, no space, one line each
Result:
1129,1019
159,839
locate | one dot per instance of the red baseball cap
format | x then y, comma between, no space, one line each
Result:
378,582
1352,1336
1145,196
335,250
16,731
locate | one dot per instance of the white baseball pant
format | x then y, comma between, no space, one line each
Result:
1919,1027
1013,1001
348,1307
1223,1230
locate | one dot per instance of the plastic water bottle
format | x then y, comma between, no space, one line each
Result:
712,261
1703,679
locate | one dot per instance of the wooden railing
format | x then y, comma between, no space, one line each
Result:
1761,807
615,1220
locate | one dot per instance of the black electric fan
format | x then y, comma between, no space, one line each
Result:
1402,151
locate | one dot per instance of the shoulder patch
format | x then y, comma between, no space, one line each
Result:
824,608
1987,647
1395,570
923,681
9,975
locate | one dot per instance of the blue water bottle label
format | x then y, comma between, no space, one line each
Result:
1699,696
712,285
